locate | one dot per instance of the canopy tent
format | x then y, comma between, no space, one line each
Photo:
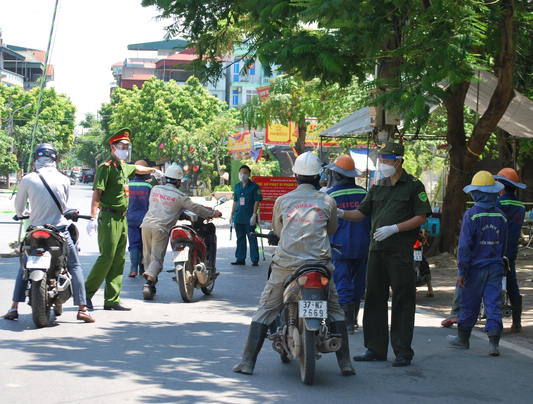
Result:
356,124
517,120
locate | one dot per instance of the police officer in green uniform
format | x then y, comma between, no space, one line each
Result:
398,206
110,194
246,198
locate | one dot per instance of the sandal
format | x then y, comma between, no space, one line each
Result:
12,314
430,294
132,274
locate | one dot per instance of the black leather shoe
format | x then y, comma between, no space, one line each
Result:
89,304
238,263
368,356
118,307
255,264
401,361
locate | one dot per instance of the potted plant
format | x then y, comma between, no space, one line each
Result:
223,190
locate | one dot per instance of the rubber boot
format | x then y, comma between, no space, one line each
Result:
516,302
134,259
348,316
356,315
254,342
343,354
462,340
494,342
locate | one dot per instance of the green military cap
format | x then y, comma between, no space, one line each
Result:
123,135
390,149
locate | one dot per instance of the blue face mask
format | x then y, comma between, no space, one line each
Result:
483,199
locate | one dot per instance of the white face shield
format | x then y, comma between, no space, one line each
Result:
386,167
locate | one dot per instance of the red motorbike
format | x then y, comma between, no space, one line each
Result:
194,253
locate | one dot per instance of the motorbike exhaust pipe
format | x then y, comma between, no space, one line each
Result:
330,345
201,273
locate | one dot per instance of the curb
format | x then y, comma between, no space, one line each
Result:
9,255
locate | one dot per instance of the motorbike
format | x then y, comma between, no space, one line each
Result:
194,253
430,229
44,255
301,328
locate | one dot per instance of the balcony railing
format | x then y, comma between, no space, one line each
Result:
8,77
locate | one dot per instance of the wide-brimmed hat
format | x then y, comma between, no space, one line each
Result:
508,176
484,181
345,165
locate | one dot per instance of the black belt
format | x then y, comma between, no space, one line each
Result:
117,212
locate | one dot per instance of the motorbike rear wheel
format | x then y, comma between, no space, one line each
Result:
307,357
40,303
186,282
207,290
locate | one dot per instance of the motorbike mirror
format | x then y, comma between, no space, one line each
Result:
221,200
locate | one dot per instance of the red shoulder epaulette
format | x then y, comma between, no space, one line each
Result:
108,163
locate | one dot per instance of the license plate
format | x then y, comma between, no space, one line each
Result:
39,262
312,309
417,255
180,256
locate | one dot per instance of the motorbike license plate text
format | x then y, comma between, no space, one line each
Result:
180,256
312,309
42,262
417,255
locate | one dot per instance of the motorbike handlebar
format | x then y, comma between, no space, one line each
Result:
21,217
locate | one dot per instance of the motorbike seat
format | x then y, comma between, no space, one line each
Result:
302,269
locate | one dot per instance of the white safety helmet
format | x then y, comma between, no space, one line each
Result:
307,164
174,172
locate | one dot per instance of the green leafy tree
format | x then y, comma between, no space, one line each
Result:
56,120
159,108
426,52
91,146
293,99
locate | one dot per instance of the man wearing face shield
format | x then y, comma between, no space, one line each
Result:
111,195
350,263
399,205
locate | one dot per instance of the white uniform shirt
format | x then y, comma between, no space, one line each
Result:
303,219
43,209
166,205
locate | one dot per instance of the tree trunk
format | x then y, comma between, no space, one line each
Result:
300,143
465,154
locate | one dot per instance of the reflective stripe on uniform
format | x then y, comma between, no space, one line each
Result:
511,202
347,192
489,215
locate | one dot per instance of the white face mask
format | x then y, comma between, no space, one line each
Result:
243,177
387,170
121,154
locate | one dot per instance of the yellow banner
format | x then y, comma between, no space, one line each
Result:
240,142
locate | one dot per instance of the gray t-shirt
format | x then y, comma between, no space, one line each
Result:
43,209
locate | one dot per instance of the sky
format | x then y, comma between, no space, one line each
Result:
89,36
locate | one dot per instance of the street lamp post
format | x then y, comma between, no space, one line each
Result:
10,122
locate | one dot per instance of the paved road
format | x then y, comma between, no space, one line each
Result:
167,351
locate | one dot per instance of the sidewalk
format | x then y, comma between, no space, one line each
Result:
10,228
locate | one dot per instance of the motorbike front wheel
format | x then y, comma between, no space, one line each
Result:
40,303
307,357
186,282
